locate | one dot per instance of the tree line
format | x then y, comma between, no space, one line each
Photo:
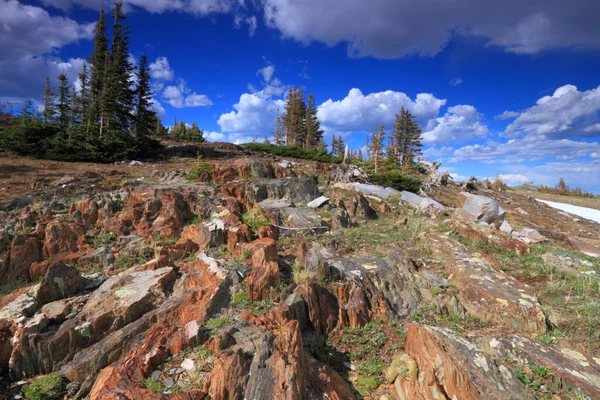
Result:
110,117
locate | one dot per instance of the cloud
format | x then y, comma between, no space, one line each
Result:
158,109
511,179
363,113
507,115
160,69
456,81
180,96
266,72
459,124
567,113
254,115
385,29
197,7
525,150
215,136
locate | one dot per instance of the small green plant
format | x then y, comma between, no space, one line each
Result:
138,257
199,169
45,388
240,299
366,384
372,366
255,218
300,274
9,287
216,323
247,254
104,239
152,385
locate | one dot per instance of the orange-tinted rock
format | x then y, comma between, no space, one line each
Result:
265,268
170,329
354,307
24,251
88,210
268,231
322,307
450,367
173,214
236,236
63,238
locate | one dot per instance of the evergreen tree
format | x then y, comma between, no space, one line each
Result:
119,96
195,133
75,114
49,99
84,94
145,117
27,113
321,146
314,134
64,100
411,144
294,118
160,129
376,147
97,85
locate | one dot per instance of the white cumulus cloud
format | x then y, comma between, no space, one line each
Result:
459,124
180,96
160,69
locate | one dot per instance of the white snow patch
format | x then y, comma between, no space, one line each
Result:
583,212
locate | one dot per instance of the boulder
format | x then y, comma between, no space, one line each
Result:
299,191
474,208
506,228
451,367
22,306
529,236
584,248
60,281
367,189
100,258
62,237
57,310
422,204
305,219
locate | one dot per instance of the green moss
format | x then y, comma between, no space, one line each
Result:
45,388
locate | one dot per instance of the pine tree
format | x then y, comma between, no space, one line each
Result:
195,133
294,118
334,146
145,117
64,101
376,147
27,112
74,116
321,146
84,94
97,85
49,99
396,142
411,145
314,134
119,96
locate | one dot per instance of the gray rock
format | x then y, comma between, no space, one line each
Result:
102,257
423,204
272,204
475,208
318,202
506,228
298,310
436,282
529,236
371,190
24,305
57,310
169,383
303,218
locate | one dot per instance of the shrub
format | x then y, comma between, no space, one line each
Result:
255,218
45,388
199,168
293,152
397,181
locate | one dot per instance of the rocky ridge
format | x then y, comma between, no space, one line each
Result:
262,278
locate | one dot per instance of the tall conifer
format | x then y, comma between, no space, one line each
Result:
49,99
98,64
145,117
314,134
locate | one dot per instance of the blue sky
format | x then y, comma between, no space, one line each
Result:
498,87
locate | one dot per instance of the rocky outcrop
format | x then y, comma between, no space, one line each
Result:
450,367
24,251
265,268
60,281
565,364
299,191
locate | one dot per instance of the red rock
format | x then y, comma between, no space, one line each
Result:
265,268
323,309
88,209
24,251
173,214
236,236
491,236
63,237
269,231
354,307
